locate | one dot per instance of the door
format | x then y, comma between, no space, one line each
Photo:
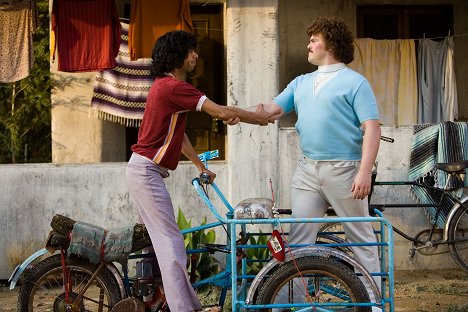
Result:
204,132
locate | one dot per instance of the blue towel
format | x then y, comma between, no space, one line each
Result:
441,143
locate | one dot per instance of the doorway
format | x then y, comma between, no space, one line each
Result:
209,76
204,132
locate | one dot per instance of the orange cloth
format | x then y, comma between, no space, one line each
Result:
150,19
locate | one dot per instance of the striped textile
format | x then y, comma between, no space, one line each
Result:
86,241
441,143
120,93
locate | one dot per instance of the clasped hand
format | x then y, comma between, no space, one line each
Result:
263,117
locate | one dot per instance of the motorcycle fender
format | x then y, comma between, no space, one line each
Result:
321,251
21,267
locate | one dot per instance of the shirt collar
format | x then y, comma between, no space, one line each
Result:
331,68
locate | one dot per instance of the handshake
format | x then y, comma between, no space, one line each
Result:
261,114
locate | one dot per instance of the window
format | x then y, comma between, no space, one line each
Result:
404,22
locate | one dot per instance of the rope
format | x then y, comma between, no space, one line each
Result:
288,249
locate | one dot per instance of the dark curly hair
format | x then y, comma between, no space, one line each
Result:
337,36
170,51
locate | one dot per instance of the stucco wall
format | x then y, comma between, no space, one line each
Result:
77,137
94,193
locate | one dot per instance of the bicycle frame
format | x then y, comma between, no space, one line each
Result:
238,295
243,300
459,204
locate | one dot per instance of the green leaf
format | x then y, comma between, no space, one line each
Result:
206,265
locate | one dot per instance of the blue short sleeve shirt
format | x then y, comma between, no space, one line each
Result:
329,122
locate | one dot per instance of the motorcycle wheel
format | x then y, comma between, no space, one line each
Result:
43,288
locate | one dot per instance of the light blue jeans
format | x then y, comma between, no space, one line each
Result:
154,206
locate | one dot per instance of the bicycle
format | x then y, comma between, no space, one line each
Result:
449,221
454,232
331,279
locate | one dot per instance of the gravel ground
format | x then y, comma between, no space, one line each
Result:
415,291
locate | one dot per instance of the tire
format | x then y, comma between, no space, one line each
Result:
333,239
458,228
42,289
334,228
335,234
343,284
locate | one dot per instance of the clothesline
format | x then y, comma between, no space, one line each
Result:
460,35
218,29
431,38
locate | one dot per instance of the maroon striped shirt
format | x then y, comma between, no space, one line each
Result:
87,34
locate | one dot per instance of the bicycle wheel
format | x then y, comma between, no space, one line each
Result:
43,287
333,239
333,228
328,281
458,229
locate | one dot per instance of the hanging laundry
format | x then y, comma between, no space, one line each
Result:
18,21
390,67
450,107
86,34
436,76
150,19
120,93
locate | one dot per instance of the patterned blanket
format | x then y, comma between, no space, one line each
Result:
441,143
120,93
96,244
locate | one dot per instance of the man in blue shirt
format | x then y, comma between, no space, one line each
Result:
339,131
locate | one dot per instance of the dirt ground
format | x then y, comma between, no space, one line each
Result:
417,291
431,291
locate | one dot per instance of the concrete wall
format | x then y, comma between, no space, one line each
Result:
252,78
77,137
94,193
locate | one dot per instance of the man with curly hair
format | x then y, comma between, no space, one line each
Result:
161,141
339,131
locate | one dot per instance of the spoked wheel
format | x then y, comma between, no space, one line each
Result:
333,233
314,280
333,239
458,229
43,288
333,228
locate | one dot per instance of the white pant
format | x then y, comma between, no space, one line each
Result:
154,206
316,185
